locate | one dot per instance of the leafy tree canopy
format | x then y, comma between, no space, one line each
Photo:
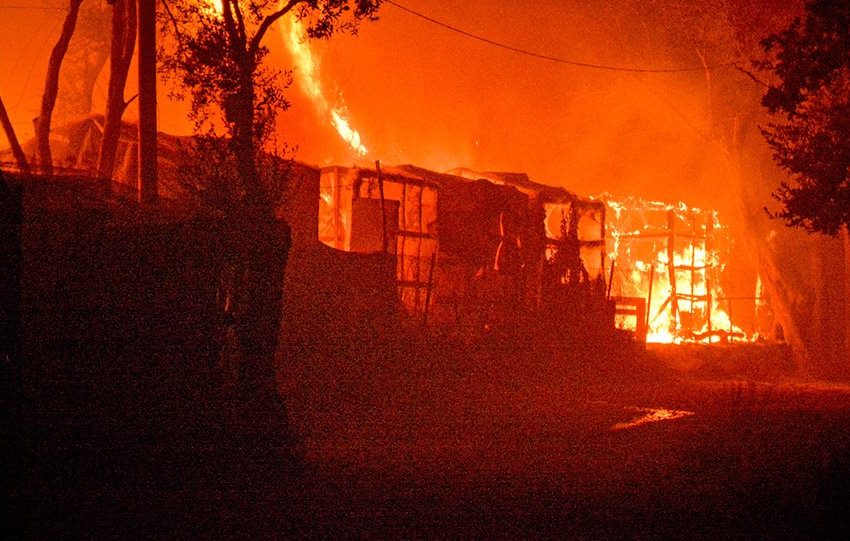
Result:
811,62
215,56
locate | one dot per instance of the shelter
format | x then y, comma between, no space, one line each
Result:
472,250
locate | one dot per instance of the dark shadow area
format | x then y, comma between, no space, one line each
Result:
124,423
128,420
515,437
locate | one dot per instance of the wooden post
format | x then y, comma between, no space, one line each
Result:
148,191
649,293
671,269
731,326
709,253
430,287
845,241
602,250
416,294
384,243
611,279
693,266
400,251
18,152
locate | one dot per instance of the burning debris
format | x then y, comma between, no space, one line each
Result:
672,256
474,250
650,415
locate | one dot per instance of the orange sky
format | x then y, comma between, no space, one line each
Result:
421,94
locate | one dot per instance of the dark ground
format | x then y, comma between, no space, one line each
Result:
519,443
482,441
116,426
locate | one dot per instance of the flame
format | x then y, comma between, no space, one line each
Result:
662,325
699,314
307,73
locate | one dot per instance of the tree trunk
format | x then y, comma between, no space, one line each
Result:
18,152
763,255
87,55
257,201
262,243
816,315
123,44
51,88
147,182
845,238
264,250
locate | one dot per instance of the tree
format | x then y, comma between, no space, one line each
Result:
121,53
215,58
51,88
716,32
87,55
810,60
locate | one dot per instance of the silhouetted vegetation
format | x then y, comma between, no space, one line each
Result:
811,60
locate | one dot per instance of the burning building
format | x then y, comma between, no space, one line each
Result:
472,250
672,258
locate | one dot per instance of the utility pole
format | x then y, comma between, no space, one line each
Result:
147,184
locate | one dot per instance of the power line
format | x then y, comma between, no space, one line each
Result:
555,58
41,8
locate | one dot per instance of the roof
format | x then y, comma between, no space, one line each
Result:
522,182
417,175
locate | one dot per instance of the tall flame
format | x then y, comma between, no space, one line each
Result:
662,326
307,75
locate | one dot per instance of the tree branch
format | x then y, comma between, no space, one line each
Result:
229,24
752,76
171,16
51,88
238,11
18,152
131,100
266,24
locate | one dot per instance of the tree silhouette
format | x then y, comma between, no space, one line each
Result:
87,55
121,53
215,57
811,61
51,87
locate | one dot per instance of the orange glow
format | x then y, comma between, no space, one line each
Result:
212,8
308,77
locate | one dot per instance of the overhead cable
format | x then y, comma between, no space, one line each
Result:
555,58
41,8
